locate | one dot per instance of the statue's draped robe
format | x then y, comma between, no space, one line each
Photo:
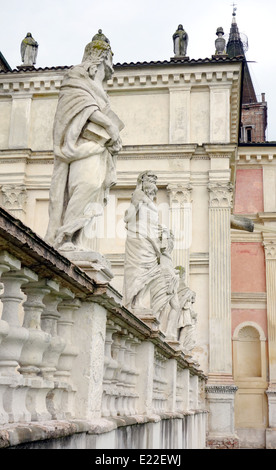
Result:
84,170
141,248
164,290
29,49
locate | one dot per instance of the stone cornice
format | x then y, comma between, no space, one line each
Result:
255,156
249,300
131,76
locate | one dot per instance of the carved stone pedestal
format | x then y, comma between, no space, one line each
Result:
271,431
147,316
221,433
93,263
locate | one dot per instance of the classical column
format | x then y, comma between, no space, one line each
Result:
181,223
220,388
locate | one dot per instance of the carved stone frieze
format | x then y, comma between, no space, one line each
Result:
218,389
220,195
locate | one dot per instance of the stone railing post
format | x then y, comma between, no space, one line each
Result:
171,374
88,369
145,366
183,388
67,309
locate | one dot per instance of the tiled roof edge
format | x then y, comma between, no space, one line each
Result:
136,64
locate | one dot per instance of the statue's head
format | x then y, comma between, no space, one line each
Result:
167,240
147,175
182,271
98,51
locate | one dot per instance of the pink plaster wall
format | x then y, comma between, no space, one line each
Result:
247,267
243,315
249,191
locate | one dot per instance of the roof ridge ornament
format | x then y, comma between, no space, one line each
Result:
220,43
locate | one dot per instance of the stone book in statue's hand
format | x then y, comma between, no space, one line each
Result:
96,133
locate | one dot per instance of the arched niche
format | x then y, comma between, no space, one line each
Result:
250,376
249,352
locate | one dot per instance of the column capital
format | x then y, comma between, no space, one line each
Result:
220,194
269,245
180,193
14,197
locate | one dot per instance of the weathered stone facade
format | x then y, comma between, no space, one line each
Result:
182,122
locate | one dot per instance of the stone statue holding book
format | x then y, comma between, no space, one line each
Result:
86,142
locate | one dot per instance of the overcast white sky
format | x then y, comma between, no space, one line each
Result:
141,30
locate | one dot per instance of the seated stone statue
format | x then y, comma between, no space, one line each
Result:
150,280
86,141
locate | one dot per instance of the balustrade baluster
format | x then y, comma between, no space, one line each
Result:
14,398
49,319
33,350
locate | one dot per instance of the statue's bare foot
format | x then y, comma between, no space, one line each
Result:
67,246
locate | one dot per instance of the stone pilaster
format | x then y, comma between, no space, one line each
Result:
181,223
180,99
270,257
220,389
20,121
220,202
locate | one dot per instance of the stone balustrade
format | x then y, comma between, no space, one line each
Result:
70,353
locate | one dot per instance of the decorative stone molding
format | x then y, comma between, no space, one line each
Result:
248,300
246,156
217,389
14,196
249,331
220,195
127,79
